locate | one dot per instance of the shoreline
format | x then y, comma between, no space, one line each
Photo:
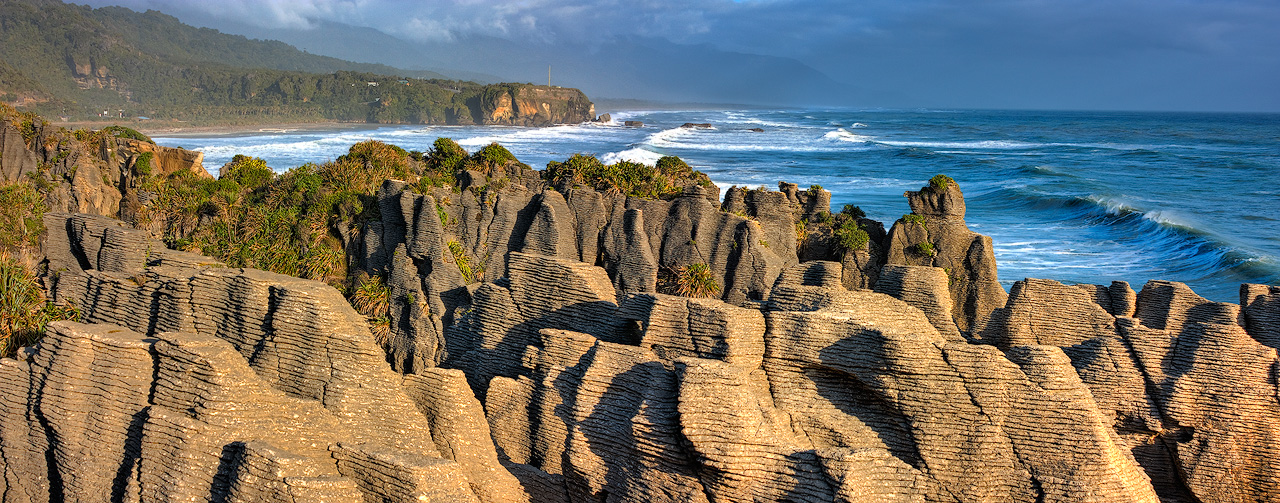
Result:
239,129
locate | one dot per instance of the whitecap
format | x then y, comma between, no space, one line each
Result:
639,155
844,135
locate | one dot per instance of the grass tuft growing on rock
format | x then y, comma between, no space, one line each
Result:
21,216
24,311
470,273
372,298
696,280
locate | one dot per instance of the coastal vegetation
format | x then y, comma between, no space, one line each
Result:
24,310
113,63
940,182
666,179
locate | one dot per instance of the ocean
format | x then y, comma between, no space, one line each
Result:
1079,197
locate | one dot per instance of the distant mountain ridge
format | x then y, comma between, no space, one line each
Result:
616,66
78,62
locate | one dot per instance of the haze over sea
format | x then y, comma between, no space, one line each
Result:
1085,197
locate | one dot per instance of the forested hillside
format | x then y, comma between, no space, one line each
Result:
82,63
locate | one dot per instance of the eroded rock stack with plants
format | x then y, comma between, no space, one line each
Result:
456,326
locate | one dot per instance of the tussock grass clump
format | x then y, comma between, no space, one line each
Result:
912,218
24,311
665,180
372,298
21,216
696,280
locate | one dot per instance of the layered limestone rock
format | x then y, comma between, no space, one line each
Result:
553,380
100,176
215,383
434,249
934,234
1186,382
839,394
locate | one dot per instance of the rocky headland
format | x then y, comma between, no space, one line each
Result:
587,333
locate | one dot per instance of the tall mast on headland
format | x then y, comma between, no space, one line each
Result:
548,75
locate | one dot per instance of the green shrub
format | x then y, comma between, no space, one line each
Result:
670,165
446,156
912,218
125,132
142,165
850,236
924,249
940,182
493,155
853,211
696,280
249,172
664,181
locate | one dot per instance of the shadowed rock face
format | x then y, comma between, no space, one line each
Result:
637,241
1188,388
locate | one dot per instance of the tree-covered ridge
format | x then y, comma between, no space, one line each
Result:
78,62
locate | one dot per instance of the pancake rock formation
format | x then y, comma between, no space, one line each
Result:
562,374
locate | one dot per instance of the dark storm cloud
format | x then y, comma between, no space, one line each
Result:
997,53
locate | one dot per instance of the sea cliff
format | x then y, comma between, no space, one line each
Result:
509,334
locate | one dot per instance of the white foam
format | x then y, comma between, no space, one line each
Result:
844,135
639,155
858,125
981,144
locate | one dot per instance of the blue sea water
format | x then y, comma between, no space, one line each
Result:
1086,197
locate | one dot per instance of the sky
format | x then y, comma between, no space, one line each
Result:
1045,54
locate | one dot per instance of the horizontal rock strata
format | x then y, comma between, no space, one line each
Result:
534,360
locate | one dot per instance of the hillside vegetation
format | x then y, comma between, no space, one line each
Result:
82,63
